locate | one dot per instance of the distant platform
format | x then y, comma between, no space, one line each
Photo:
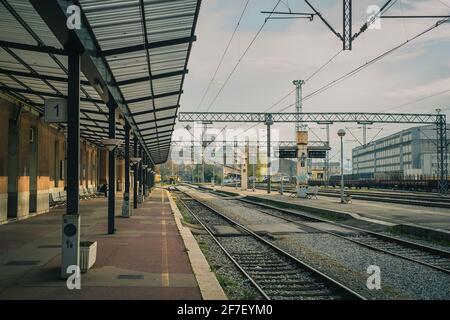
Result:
378,212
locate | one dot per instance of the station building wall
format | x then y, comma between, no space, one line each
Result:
33,162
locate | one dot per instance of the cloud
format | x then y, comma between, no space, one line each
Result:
294,49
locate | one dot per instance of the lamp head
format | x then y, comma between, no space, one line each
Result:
111,144
135,160
341,133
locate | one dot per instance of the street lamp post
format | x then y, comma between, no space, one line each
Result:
111,144
341,134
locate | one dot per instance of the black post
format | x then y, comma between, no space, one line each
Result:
268,161
73,135
152,184
442,153
126,196
112,167
70,253
144,161
140,175
268,122
135,193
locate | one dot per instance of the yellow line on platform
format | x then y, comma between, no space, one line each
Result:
165,257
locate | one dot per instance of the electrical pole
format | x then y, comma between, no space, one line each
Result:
224,161
268,122
301,136
327,157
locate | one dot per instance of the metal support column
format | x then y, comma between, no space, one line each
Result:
268,122
364,135
342,170
70,254
135,186
327,157
112,168
442,153
299,106
126,210
205,127
224,150
347,29
140,177
144,176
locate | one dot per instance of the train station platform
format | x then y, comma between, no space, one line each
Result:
151,256
389,214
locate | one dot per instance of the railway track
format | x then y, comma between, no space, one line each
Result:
424,255
431,201
275,273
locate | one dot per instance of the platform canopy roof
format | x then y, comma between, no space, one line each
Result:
135,50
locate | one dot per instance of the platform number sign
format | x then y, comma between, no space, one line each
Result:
56,110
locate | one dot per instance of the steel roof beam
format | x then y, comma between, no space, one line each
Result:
93,65
94,112
140,113
156,120
159,127
47,94
38,76
154,134
157,96
154,77
152,45
33,48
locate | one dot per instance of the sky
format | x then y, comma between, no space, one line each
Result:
294,49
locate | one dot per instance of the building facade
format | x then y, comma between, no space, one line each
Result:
408,153
33,159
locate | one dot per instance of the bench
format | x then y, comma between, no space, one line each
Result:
313,193
83,193
63,195
55,199
95,193
347,198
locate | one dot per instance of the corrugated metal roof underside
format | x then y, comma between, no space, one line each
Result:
149,76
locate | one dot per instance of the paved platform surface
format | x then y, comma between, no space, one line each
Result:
435,218
145,259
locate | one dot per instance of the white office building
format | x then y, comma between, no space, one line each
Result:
410,152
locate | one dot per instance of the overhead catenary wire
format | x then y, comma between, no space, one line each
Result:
369,63
312,75
241,58
222,58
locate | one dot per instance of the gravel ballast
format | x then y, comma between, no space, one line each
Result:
345,261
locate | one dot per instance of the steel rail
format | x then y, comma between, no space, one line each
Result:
304,265
405,243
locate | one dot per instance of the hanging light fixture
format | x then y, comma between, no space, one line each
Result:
111,144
